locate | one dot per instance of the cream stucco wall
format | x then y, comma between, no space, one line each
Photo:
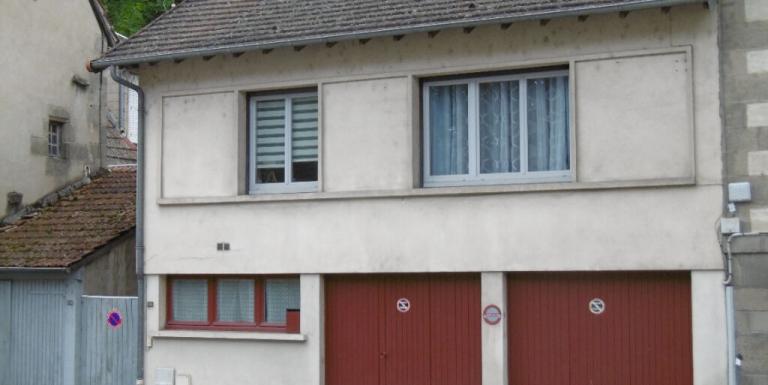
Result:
645,193
44,44
662,138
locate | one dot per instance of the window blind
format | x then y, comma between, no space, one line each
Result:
270,133
304,129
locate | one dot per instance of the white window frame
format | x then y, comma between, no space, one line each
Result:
286,186
474,177
55,129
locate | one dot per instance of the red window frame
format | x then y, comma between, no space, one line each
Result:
259,299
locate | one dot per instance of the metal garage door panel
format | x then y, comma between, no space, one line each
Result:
435,342
455,330
352,324
5,332
406,334
642,337
37,338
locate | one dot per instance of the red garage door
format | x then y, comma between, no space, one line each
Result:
600,329
403,330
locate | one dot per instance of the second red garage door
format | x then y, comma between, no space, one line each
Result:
600,328
403,330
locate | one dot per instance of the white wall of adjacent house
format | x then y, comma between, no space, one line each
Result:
132,120
644,192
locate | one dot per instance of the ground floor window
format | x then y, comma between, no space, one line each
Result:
233,303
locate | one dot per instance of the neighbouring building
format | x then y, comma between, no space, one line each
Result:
64,270
446,192
744,66
54,114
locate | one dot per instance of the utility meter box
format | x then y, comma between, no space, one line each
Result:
739,192
165,376
730,225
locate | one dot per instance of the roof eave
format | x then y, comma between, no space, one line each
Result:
84,259
34,270
101,64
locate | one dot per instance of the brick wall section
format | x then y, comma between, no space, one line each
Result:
744,66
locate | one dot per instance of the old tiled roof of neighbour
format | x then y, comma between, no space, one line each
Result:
120,150
203,27
75,226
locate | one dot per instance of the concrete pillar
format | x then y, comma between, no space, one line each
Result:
494,344
312,324
709,335
154,287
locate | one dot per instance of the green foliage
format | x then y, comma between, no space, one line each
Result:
129,16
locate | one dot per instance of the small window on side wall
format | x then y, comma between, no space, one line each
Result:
283,150
234,303
497,130
55,129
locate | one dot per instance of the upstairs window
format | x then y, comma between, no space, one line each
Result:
283,143
55,129
233,303
498,129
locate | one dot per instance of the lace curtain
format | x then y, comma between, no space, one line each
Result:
499,127
235,300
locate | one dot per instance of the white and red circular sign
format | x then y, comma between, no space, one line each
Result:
597,306
403,305
492,314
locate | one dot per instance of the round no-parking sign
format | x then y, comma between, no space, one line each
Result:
403,305
114,318
492,314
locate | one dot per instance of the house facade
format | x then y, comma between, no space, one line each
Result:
525,196
50,113
54,114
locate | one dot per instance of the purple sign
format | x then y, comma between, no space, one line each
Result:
114,319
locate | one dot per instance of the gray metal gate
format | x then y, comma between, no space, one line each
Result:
108,346
36,345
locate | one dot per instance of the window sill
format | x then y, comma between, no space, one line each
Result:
228,335
430,192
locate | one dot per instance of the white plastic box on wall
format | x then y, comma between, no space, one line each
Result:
165,376
739,192
730,225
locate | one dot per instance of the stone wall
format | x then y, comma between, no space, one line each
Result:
744,65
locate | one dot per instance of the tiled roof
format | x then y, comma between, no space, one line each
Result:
64,233
120,150
197,27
